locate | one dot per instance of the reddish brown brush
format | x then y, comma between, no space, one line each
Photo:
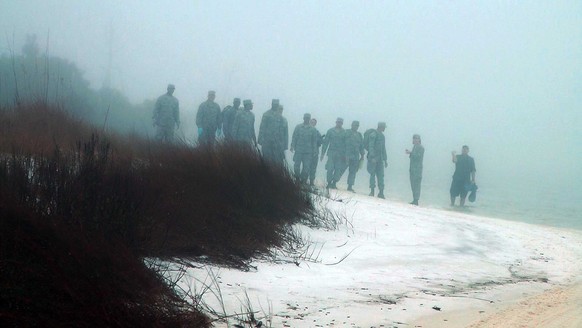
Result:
80,209
56,275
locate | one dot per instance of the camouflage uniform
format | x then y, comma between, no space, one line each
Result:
376,160
228,115
166,117
355,151
274,135
304,145
243,129
315,158
416,157
208,118
334,143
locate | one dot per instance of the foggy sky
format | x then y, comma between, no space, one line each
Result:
503,77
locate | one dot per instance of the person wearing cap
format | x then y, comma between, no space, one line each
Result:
228,115
377,159
334,144
303,146
355,152
208,120
273,134
166,115
416,156
315,158
243,129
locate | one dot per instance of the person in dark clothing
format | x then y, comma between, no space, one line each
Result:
464,175
208,120
228,116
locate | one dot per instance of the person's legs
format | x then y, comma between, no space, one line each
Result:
329,168
456,189
352,169
296,165
380,175
306,160
415,186
296,168
339,168
162,134
313,169
372,170
209,137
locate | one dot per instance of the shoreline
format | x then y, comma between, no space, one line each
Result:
405,266
557,306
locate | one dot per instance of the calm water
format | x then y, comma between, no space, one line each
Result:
557,205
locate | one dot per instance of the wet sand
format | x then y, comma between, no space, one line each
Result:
558,307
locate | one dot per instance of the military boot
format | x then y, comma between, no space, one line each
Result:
381,194
350,188
371,192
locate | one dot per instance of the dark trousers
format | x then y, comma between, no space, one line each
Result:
302,159
208,137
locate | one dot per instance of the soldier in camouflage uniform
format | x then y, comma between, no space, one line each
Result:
355,152
334,143
243,129
228,115
377,159
274,134
303,145
416,157
208,120
166,115
315,157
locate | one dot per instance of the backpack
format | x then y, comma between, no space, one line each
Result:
367,138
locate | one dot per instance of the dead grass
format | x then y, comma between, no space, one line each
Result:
80,208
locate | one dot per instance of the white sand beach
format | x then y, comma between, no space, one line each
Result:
396,265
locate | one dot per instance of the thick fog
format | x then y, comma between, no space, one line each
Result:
503,78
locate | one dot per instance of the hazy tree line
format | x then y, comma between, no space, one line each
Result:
33,75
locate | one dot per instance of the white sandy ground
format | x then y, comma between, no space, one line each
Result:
410,266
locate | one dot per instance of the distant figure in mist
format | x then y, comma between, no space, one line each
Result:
166,115
208,120
282,138
315,158
243,128
416,156
334,144
303,146
377,159
464,175
355,152
228,115
274,134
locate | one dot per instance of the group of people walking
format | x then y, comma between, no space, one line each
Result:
345,149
